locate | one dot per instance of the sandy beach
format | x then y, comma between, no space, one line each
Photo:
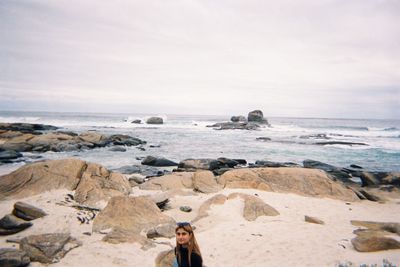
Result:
225,237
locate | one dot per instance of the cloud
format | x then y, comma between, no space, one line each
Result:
291,58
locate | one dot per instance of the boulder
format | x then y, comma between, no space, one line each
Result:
205,182
266,163
11,257
48,248
10,224
313,220
256,116
308,182
155,120
27,212
125,140
133,214
234,126
195,164
254,207
335,172
376,178
6,155
203,210
26,127
163,230
158,162
118,235
165,258
374,243
136,121
176,180
43,176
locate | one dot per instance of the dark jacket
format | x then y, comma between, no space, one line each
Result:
195,259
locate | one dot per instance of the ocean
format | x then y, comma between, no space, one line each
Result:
186,136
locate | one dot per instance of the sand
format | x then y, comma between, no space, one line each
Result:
226,239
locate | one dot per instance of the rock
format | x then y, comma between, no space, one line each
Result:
370,196
263,139
10,257
185,208
340,143
158,162
147,171
137,179
10,224
266,163
308,182
376,178
27,212
125,140
155,120
26,127
203,210
315,136
165,258
117,149
238,119
118,235
370,244
181,180
332,170
92,137
136,121
48,248
257,116
162,230
205,182
234,126
9,154
133,214
391,227
195,164
254,207
313,220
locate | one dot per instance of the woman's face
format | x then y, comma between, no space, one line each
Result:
182,237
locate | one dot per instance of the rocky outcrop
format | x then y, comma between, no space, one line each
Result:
155,120
234,126
301,181
209,164
238,119
26,127
11,257
158,162
266,163
165,258
91,181
378,178
257,116
132,214
59,141
27,212
48,248
334,172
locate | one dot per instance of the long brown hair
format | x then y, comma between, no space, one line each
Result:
192,246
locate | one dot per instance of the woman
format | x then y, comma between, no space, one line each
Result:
187,250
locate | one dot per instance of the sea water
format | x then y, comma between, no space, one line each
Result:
187,136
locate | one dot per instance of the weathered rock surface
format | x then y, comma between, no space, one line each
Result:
27,212
335,172
238,119
257,116
308,182
374,243
254,207
176,180
132,214
8,155
158,162
313,220
205,182
209,164
155,120
10,224
377,178
165,258
48,248
234,126
26,127
10,257
91,181
266,163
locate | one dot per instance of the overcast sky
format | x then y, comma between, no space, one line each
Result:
303,58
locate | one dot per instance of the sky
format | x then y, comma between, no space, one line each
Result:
297,58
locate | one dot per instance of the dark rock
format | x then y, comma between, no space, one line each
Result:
238,119
9,154
263,139
370,196
313,220
235,126
376,178
185,208
374,243
162,205
118,149
155,146
158,162
10,224
355,166
125,140
48,248
26,127
195,164
335,172
219,172
147,171
340,143
317,136
27,212
10,257
241,161
155,120
266,163
136,121
257,116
